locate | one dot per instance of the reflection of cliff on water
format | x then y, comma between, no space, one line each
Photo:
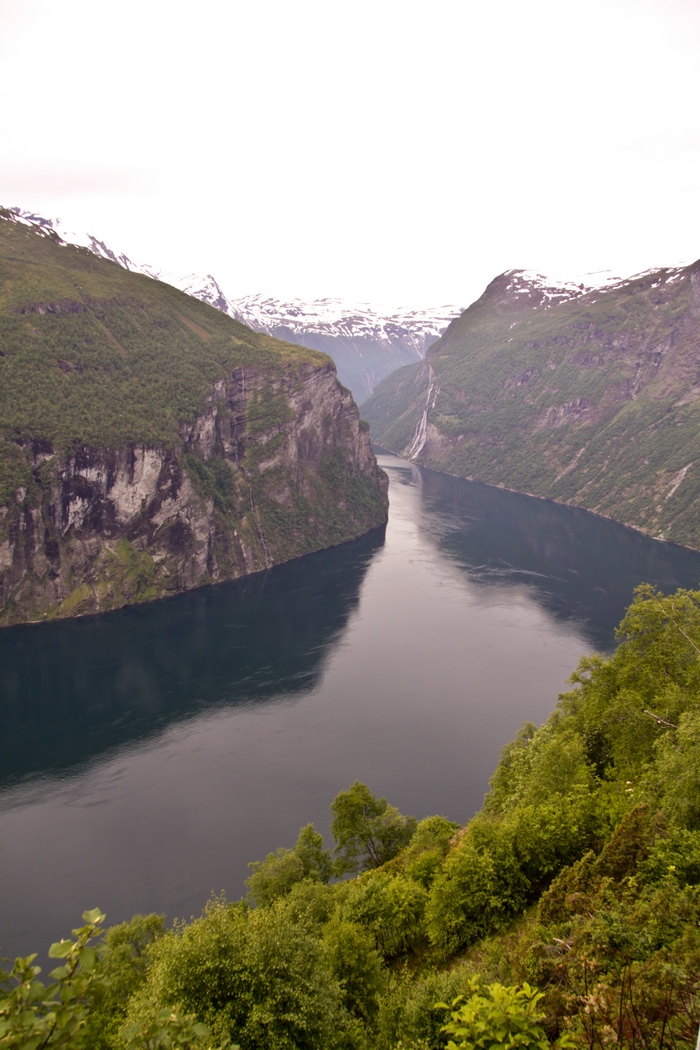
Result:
577,565
70,691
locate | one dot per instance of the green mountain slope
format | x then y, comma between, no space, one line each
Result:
592,400
149,443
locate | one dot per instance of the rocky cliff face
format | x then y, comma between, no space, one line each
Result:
589,396
265,473
149,445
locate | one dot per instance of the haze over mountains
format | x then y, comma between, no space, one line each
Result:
366,341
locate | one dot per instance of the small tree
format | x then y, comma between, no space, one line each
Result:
367,830
276,875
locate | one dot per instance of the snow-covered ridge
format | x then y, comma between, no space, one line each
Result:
553,290
335,318
339,318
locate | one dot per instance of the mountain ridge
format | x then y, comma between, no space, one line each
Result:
590,398
366,341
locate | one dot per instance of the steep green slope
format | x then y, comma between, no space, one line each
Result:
149,443
592,400
580,875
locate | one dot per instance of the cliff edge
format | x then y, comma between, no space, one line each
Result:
149,444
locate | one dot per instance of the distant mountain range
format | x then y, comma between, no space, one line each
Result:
586,395
366,342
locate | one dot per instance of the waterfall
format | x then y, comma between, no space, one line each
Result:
421,435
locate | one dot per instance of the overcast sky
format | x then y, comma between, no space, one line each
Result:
382,151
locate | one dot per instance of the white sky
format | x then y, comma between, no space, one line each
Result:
376,150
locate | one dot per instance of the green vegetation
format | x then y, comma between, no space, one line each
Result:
149,443
63,1014
505,1017
368,831
567,912
594,401
95,355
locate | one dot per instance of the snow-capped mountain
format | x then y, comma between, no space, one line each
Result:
544,292
366,341
341,319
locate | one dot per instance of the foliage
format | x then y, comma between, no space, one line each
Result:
34,1016
357,966
567,912
122,969
390,907
276,875
479,887
619,956
504,1017
424,856
368,831
254,976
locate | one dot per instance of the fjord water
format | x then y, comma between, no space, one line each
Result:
147,755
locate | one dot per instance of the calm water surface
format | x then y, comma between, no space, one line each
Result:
147,755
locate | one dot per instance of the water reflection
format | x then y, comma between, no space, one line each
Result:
148,755
581,568
72,690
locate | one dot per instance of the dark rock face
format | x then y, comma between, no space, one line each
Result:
274,467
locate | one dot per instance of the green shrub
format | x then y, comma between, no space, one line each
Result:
357,966
276,875
391,907
408,1016
502,1017
122,968
480,886
253,976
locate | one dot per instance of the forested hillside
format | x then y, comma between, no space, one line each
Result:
566,912
586,396
150,444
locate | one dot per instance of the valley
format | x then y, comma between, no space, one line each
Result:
151,444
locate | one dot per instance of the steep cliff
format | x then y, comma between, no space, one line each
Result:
150,444
586,396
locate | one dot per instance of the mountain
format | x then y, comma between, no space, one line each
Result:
366,342
150,444
589,396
